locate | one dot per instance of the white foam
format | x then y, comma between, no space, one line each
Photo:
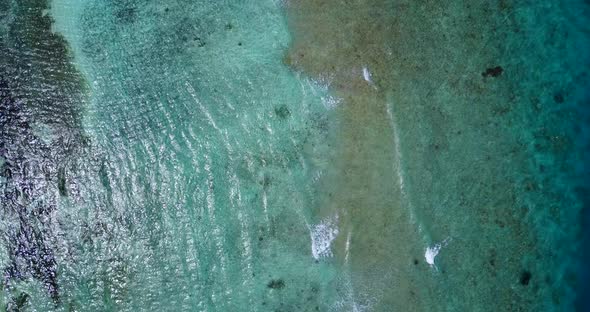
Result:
322,236
330,102
367,75
347,248
432,252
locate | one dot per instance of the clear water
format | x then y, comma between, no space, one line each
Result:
293,155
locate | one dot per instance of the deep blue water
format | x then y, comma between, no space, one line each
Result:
583,174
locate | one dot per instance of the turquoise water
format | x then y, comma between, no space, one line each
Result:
293,155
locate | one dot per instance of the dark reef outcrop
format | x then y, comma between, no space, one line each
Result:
40,133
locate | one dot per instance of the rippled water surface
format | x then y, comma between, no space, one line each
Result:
296,155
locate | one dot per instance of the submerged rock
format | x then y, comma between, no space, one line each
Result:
276,284
525,277
493,72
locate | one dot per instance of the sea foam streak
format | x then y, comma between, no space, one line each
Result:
322,236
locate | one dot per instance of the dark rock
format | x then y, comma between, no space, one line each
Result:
126,15
282,112
276,284
558,98
22,300
61,182
525,277
493,72
200,42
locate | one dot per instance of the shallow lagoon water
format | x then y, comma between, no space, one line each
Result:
293,155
